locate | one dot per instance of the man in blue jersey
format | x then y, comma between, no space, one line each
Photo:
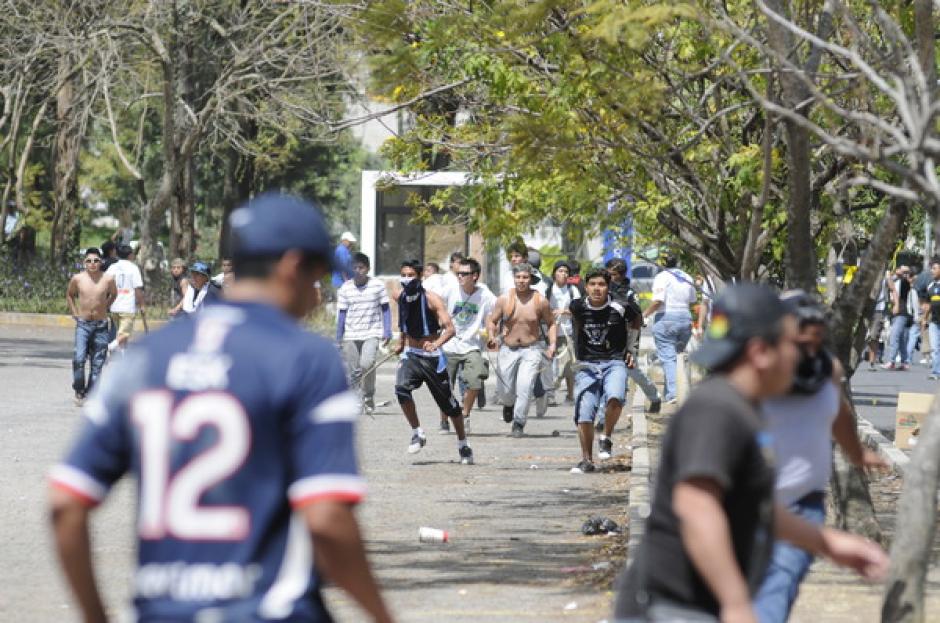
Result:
238,427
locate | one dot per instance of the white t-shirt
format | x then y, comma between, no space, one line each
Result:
674,289
192,300
436,284
363,308
561,297
127,279
468,312
451,283
801,428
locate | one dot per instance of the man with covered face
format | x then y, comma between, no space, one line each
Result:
802,425
425,327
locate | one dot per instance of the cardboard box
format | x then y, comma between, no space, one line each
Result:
912,409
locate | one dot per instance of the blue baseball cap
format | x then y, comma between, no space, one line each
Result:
273,223
200,267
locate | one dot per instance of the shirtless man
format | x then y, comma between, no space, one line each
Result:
521,312
89,296
425,327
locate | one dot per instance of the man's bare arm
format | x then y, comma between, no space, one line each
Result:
492,322
845,430
443,318
69,518
139,298
340,555
112,290
549,319
70,293
706,537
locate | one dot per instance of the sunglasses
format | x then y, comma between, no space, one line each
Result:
92,261
464,274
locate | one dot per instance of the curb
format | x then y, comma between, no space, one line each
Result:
52,320
879,443
640,476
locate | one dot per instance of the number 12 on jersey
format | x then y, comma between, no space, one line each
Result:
169,502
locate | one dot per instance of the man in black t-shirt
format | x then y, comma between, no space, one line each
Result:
713,521
601,327
932,298
621,292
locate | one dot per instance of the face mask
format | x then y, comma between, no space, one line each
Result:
405,281
812,372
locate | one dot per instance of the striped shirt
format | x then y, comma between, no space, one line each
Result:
363,308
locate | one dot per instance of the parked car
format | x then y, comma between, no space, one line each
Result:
642,275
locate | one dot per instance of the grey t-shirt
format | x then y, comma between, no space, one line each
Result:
718,435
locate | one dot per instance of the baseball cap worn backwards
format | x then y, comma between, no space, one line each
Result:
200,267
741,312
273,223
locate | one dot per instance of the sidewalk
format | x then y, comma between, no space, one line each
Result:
516,550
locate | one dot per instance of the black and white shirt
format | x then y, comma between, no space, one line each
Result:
600,332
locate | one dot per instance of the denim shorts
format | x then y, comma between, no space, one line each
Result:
596,383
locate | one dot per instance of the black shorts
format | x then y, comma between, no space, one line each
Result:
414,370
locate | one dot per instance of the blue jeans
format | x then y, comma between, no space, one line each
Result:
913,334
91,342
595,384
934,332
787,568
897,340
671,332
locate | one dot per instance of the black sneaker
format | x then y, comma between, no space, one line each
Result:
445,427
655,406
417,442
466,456
606,448
516,430
507,413
584,467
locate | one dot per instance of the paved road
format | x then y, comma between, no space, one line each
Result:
516,554
876,392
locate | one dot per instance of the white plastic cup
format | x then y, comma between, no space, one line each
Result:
432,535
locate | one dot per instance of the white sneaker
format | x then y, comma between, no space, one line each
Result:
417,442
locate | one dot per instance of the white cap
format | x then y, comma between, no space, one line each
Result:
348,235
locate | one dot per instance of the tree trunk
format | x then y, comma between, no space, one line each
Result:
849,315
153,213
916,523
851,498
70,130
19,189
800,259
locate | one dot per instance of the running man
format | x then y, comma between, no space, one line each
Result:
710,532
673,294
202,289
560,293
602,327
179,287
802,425
364,320
468,306
621,292
88,296
518,318
239,429
130,297
425,327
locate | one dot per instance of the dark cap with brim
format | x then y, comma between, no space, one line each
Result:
272,224
740,312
